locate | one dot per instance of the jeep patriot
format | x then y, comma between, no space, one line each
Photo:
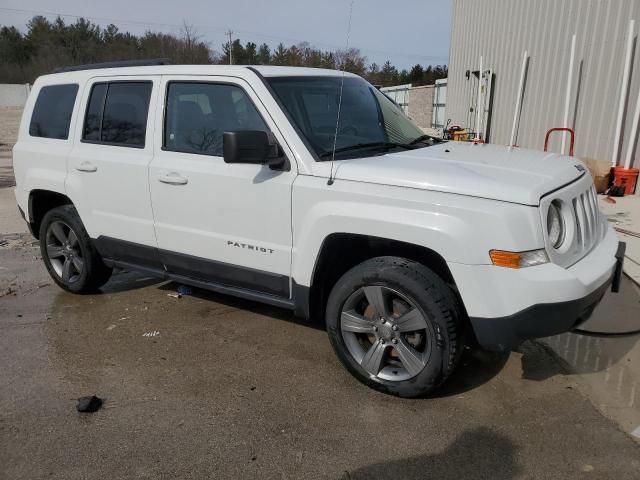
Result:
310,190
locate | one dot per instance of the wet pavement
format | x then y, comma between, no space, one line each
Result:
208,386
623,213
604,358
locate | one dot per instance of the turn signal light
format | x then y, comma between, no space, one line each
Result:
502,258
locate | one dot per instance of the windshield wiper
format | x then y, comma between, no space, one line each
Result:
359,146
422,138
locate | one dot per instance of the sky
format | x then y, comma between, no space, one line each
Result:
405,32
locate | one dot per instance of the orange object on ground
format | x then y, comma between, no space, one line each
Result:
627,178
461,136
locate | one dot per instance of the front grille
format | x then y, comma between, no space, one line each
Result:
585,210
584,225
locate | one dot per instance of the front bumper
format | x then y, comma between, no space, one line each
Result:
542,320
508,306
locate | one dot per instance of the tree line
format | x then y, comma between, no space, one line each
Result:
47,45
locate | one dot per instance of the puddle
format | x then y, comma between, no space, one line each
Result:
617,313
608,366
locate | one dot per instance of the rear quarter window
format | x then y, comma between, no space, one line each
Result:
51,115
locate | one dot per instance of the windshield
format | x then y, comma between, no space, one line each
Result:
369,123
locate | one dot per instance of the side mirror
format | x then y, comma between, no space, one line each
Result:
251,146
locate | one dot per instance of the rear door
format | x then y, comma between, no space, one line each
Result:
218,222
108,167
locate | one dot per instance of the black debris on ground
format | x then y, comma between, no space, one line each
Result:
89,404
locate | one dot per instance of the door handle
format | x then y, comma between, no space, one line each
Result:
86,167
173,178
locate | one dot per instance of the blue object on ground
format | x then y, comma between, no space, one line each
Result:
184,290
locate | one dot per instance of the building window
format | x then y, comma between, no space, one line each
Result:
52,113
117,114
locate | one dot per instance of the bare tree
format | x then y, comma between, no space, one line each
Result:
192,44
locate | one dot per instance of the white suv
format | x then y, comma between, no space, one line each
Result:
310,190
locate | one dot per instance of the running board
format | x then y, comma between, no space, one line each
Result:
214,287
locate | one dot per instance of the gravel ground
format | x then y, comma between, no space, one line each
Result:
10,222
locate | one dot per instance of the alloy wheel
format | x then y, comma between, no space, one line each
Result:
63,251
386,333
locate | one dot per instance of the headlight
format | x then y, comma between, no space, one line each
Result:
555,225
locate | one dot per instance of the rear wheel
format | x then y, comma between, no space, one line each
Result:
394,324
68,252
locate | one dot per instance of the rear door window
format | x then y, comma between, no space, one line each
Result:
52,112
117,114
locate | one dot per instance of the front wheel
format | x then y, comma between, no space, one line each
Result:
68,252
395,326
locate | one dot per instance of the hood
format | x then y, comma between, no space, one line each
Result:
488,171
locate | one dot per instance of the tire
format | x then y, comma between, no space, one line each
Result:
68,252
419,343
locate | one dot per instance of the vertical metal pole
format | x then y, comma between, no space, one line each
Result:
479,104
487,103
634,132
516,113
623,94
567,100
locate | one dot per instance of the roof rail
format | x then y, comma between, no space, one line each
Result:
118,64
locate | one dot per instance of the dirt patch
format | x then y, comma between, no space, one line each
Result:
7,179
9,125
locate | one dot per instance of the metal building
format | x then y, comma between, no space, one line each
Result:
399,94
502,30
419,102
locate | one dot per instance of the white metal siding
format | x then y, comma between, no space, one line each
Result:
501,30
399,94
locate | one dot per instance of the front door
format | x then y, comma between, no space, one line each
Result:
227,224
